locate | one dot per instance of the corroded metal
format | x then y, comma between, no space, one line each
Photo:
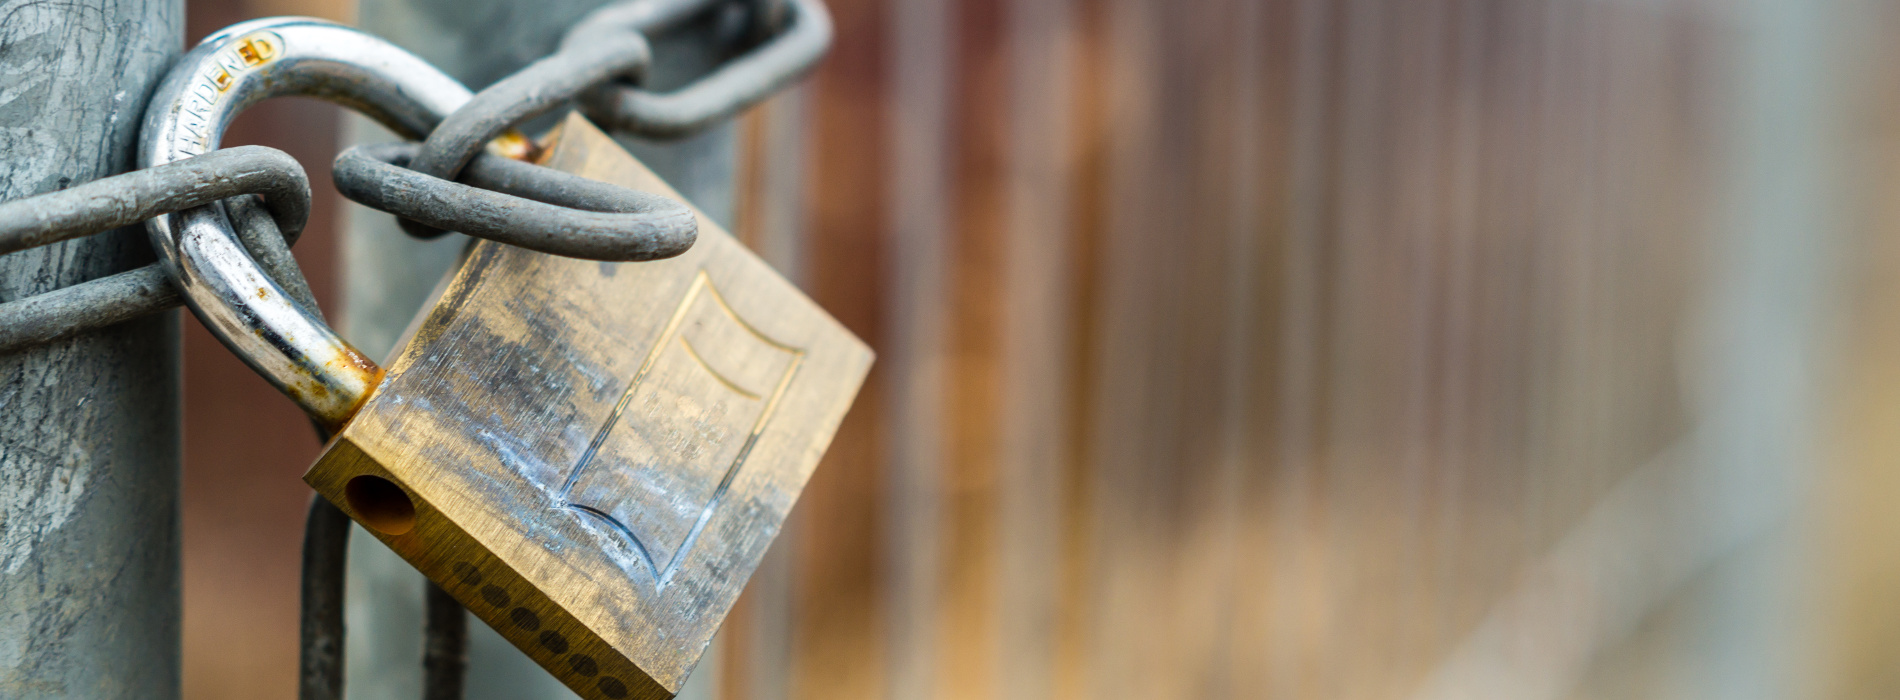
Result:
234,297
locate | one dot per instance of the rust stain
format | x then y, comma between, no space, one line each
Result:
515,145
352,361
256,52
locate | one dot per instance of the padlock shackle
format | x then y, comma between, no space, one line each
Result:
246,63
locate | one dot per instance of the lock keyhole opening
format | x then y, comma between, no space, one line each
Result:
380,504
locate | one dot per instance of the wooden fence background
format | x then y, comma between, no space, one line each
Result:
1509,349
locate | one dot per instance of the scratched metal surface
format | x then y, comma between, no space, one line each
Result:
534,415
89,448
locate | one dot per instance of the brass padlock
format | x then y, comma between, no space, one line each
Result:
592,457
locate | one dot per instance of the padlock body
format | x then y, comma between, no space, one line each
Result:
593,457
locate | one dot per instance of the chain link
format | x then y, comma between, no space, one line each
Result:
803,38
519,204
124,200
528,93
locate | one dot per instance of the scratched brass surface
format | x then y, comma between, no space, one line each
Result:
598,454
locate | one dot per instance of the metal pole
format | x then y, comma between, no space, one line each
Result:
89,427
388,275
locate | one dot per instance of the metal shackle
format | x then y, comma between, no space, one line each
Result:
246,63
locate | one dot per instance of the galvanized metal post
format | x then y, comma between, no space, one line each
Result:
388,275
89,427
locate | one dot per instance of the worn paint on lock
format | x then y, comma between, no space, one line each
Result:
597,455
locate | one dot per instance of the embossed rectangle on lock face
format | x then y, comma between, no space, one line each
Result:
599,454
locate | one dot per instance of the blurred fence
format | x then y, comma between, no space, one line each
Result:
1308,349
1410,349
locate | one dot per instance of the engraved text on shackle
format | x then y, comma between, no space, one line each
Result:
208,88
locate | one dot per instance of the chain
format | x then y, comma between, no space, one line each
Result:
124,200
446,182
585,59
800,35
571,215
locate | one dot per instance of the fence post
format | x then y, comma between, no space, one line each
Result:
89,427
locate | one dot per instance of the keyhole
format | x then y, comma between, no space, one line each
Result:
380,504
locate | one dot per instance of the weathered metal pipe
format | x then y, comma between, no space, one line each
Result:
89,426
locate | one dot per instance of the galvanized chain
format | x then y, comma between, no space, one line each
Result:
580,218
528,93
799,33
128,199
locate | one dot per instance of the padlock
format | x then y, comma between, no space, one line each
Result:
591,456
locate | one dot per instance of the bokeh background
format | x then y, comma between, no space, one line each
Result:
1431,349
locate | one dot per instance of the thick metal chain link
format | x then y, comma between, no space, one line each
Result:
799,34
124,200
